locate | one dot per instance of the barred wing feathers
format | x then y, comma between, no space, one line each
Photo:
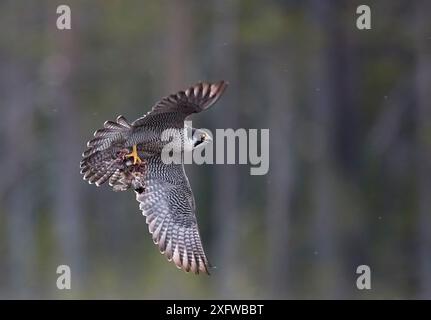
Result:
168,204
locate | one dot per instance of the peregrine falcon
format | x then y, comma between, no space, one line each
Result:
128,155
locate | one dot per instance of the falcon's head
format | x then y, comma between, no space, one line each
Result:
199,138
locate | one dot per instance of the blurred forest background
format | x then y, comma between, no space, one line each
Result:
349,115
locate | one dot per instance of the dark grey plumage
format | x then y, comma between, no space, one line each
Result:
163,191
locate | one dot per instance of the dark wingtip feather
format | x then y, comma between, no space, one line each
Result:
206,94
195,99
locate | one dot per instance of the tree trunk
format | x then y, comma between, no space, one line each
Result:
67,203
226,215
323,174
177,57
19,190
279,188
423,80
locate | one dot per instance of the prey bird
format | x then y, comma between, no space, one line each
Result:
129,156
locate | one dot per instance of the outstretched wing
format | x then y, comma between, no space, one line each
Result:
167,202
175,108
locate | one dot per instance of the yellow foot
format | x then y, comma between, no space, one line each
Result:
134,155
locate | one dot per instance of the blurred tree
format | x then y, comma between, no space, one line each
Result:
20,201
67,200
18,189
423,81
279,188
324,99
226,208
178,46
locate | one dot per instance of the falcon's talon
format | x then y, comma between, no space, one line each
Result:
134,155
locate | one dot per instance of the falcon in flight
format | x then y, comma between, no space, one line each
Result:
129,155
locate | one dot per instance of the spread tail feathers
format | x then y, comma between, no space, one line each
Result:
104,155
